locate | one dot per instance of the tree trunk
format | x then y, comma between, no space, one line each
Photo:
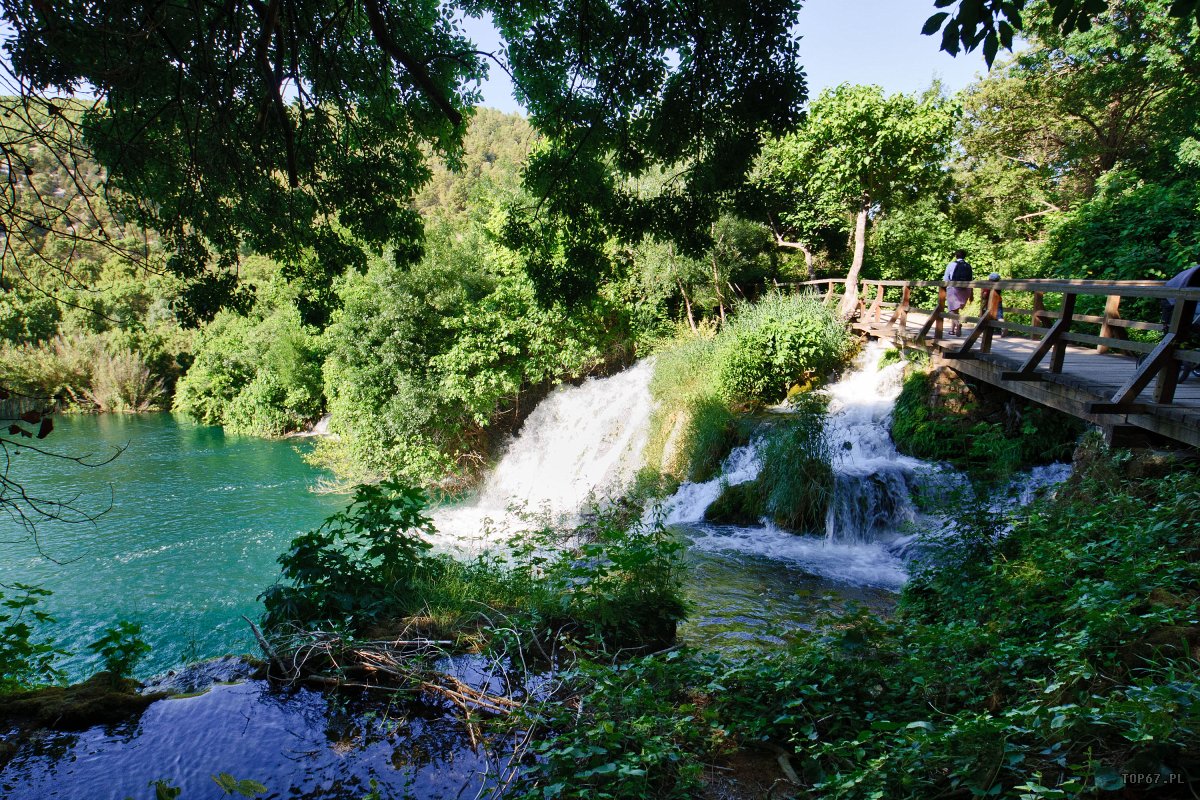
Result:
687,302
809,272
717,276
850,299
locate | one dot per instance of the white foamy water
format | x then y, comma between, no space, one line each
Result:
691,500
582,443
856,563
872,481
871,501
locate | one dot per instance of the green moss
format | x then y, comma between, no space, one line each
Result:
988,436
101,699
740,504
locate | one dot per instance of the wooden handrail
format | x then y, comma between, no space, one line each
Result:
1154,289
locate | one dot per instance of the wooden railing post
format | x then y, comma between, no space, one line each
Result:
937,314
1060,342
877,306
829,292
1112,310
1052,341
1168,376
990,314
1040,320
902,312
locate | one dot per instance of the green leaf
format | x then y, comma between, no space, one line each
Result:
934,23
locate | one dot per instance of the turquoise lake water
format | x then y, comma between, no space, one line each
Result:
197,519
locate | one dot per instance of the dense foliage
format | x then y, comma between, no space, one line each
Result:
607,583
1055,659
767,349
301,130
988,437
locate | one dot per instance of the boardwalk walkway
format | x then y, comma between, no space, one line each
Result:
1083,365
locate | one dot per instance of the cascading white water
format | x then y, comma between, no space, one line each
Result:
871,516
872,481
871,494
689,503
581,443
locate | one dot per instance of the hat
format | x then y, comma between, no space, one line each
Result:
995,276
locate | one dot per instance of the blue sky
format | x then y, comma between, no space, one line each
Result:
855,41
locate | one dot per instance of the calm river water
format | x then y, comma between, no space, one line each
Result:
197,519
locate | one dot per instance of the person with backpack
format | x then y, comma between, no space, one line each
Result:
957,297
1190,334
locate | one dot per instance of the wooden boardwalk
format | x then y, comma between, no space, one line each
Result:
1086,365
1088,380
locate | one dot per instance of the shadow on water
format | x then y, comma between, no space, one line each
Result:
300,744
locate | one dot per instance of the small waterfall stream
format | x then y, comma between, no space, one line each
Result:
582,443
871,504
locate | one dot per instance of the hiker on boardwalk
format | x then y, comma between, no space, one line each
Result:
1187,279
957,297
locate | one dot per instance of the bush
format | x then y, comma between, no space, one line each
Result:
363,563
25,661
259,374
611,583
986,440
777,343
767,349
796,482
121,381
120,649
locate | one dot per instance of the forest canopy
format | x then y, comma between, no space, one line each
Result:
301,129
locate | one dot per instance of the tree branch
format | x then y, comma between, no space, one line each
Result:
420,75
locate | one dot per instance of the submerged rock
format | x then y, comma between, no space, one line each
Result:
198,677
102,698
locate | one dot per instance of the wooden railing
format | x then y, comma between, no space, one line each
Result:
1054,328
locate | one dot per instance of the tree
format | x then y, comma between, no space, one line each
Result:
300,128
994,23
1042,130
860,151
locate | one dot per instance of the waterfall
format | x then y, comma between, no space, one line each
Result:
689,503
872,481
581,443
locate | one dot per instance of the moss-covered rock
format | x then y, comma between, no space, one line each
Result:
740,504
101,699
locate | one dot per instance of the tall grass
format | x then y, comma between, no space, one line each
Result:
796,481
768,349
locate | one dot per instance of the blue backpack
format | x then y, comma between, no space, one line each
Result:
962,271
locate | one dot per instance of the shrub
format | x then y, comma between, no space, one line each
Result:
796,481
364,562
613,582
23,659
986,440
764,351
776,343
258,374
121,381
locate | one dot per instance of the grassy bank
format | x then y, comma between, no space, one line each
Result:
702,383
